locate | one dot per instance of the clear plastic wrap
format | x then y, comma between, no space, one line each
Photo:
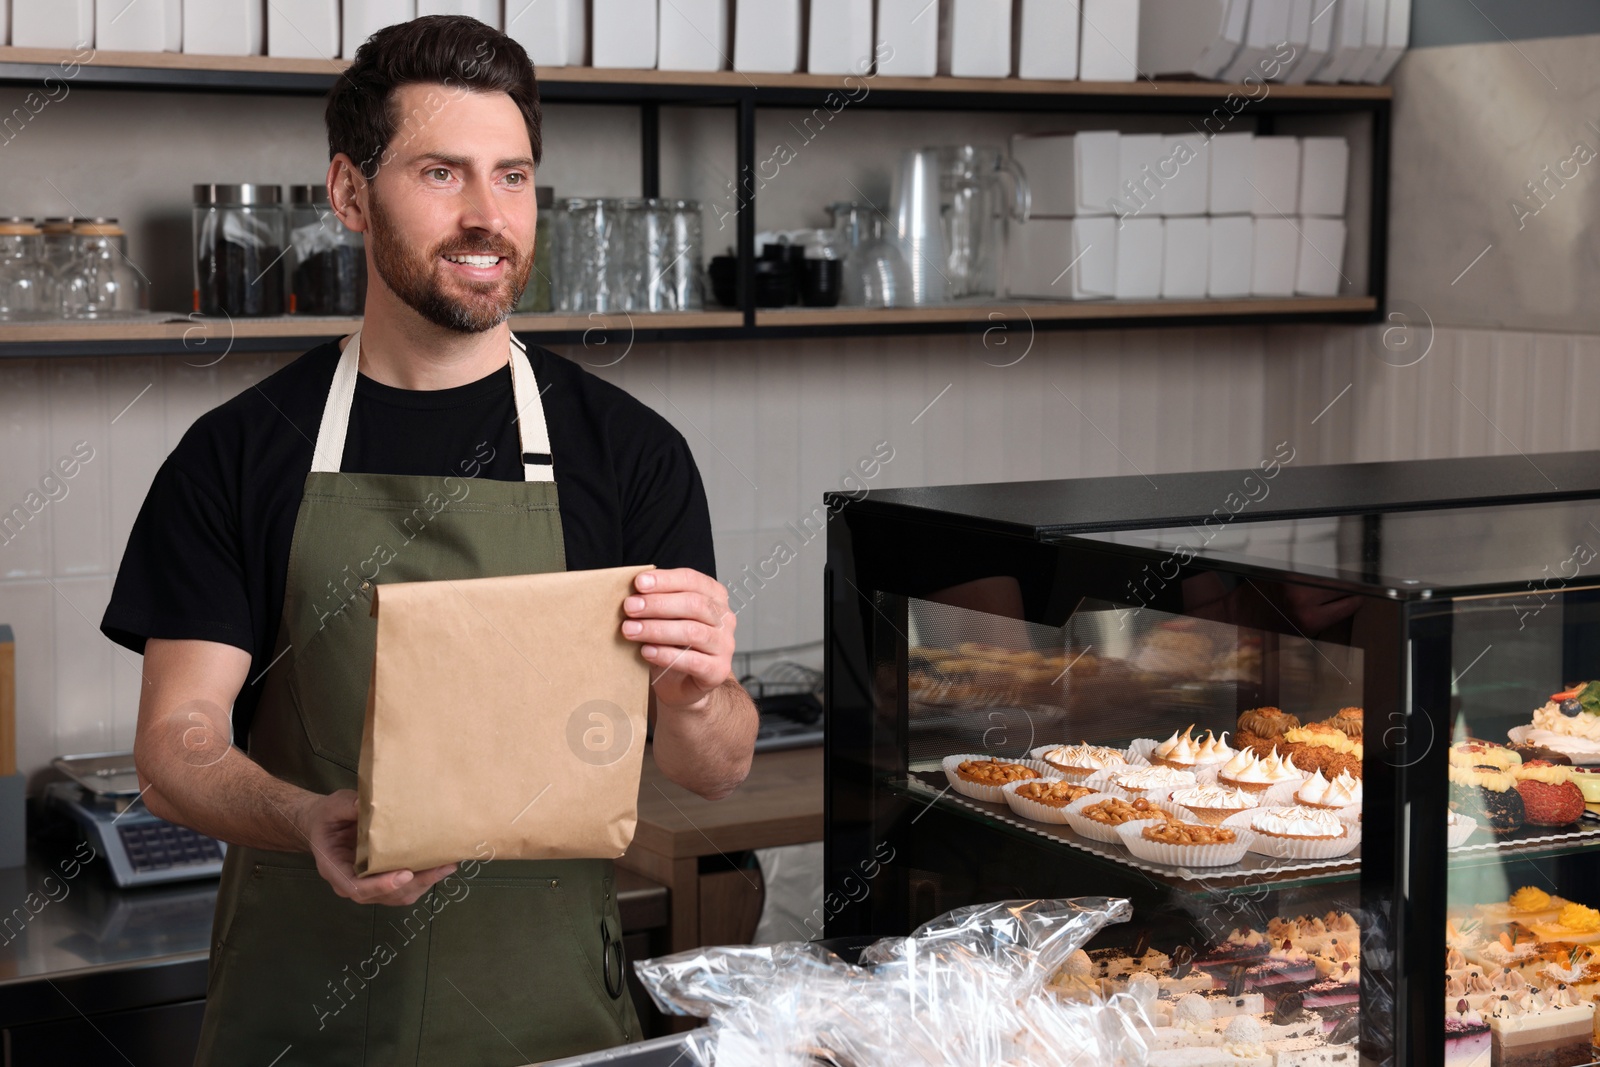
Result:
966,990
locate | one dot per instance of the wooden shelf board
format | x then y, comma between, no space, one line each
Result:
209,330
1084,309
726,79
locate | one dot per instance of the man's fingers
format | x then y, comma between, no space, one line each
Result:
676,580
673,632
688,605
708,672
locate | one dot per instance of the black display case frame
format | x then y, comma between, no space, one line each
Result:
892,546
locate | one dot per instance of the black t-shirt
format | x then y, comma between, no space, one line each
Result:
209,552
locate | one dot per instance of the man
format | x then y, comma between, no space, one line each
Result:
248,578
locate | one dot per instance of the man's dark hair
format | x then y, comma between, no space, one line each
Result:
456,51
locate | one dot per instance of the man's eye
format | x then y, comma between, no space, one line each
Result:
441,173
517,177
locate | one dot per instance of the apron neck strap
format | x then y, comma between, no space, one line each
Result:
532,431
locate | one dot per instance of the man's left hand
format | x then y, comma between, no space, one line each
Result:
682,621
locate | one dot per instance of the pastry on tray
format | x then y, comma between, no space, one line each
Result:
1115,811
1082,760
1213,803
1322,747
1549,795
1257,774
994,771
1488,795
1173,832
1318,792
1055,794
1576,923
1569,723
1260,729
1483,754
1348,721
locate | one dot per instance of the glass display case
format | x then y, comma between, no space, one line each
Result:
1301,717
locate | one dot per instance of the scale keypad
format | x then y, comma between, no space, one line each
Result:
155,846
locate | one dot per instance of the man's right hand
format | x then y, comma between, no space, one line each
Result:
329,825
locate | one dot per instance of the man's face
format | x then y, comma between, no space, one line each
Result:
452,209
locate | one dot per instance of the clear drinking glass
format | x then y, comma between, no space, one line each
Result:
24,278
663,255
100,282
590,273
875,273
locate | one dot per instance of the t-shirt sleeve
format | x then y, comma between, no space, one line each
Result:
182,574
668,521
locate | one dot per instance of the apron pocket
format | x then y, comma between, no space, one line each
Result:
516,974
329,676
289,972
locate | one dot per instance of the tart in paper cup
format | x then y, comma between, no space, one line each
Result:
1084,826
1036,810
1178,801
1068,771
991,793
1458,830
1296,848
1163,781
1221,855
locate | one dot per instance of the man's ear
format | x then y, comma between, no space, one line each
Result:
347,193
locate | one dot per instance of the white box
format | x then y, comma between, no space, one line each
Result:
1070,173
1093,264
1179,36
1139,187
363,18
622,33
485,11
1233,163
1232,256
1275,178
1110,41
303,29
766,36
1269,28
908,38
1320,264
1373,39
840,37
1299,39
138,26
1189,191
53,24
553,32
1349,37
1397,35
1185,259
1037,252
1274,256
1139,258
1324,20
974,38
694,35
1324,175
1047,39
224,27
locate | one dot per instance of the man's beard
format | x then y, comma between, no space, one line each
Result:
415,278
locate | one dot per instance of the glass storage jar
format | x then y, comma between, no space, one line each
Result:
536,295
589,272
24,287
100,281
327,262
239,233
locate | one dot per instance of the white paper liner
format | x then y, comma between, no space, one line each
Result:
1079,774
1087,827
1456,834
1297,848
1033,810
992,793
1132,837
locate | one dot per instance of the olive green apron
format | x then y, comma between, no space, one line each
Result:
503,962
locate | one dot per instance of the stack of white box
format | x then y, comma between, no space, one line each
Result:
1140,216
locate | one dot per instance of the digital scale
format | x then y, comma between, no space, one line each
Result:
103,798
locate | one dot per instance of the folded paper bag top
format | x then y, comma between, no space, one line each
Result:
504,714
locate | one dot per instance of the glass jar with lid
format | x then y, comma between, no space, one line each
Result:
100,281
536,295
327,262
239,236
24,291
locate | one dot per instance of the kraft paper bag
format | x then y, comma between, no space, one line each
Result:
505,714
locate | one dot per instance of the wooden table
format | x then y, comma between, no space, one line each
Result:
779,804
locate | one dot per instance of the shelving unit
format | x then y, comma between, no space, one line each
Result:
744,94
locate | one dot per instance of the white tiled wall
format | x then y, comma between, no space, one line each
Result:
774,426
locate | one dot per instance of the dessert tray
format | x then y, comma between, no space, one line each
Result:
928,781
